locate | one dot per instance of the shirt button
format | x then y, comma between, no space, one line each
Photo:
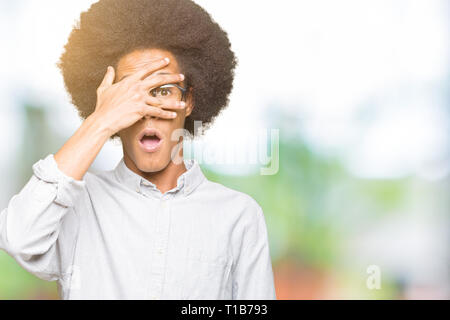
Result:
154,298
160,251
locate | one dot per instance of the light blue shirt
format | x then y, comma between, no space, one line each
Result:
114,235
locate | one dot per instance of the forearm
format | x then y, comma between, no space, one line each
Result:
78,153
30,225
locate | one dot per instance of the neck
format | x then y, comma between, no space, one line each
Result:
164,180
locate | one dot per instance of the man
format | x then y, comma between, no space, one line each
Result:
154,227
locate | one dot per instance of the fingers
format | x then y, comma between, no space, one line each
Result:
108,80
157,112
171,105
152,67
161,79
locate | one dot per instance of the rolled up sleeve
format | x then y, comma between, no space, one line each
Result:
30,226
252,273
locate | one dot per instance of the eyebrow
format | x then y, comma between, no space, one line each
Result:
127,75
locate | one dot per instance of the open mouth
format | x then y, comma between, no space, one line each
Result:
150,140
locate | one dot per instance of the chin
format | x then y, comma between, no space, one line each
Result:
150,165
153,162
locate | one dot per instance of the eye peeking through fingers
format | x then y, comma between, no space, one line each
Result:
168,93
163,91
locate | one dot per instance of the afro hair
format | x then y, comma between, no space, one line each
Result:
110,29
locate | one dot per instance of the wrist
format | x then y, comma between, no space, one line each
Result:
100,128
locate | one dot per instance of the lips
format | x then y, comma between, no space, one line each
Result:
150,140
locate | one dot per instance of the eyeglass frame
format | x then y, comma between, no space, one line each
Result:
183,90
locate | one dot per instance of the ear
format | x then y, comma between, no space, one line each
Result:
189,102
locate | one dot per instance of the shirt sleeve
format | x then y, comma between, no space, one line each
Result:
31,226
252,273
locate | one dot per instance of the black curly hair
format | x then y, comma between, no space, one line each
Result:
110,29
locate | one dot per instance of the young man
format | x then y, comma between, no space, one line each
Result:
154,227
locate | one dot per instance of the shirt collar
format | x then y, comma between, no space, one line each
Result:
186,182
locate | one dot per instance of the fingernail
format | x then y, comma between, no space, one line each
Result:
167,60
182,104
174,114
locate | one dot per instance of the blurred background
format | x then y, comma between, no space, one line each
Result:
359,93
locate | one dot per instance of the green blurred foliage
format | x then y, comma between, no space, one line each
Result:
16,283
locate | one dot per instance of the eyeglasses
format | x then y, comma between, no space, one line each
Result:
169,92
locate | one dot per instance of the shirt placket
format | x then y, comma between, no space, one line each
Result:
160,248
